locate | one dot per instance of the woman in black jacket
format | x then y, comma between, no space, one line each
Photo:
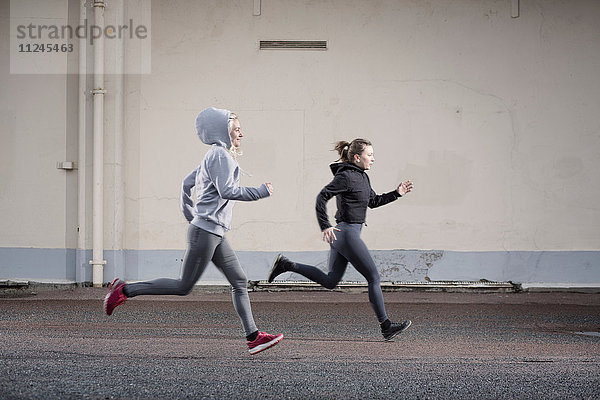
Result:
353,192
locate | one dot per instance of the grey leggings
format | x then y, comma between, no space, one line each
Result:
349,247
204,247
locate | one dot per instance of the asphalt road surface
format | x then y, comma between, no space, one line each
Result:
60,345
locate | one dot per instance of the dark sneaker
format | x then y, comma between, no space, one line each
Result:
115,297
263,341
281,265
395,329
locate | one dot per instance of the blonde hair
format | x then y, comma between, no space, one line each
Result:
347,150
230,121
235,151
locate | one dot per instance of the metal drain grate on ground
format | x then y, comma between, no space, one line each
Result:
13,284
391,286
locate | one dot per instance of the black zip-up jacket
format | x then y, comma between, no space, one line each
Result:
353,192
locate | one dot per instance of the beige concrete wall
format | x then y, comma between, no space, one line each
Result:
494,118
33,131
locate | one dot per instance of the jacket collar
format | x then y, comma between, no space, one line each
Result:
341,166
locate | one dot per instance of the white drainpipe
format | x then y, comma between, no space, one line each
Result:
81,172
98,261
119,189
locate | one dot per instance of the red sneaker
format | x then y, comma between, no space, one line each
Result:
263,341
115,297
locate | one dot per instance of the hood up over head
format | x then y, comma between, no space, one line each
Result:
211,127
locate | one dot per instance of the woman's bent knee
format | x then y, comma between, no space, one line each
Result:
183,290
331,284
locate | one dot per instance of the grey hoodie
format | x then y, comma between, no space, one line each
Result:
216,179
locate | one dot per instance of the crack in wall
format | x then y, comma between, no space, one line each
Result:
413,266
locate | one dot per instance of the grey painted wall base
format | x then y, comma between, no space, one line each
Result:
550,267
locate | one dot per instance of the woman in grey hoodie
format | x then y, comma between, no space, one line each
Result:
216,181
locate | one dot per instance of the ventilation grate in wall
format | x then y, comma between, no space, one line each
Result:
293,44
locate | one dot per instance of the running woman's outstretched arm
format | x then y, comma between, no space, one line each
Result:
378,200
222,171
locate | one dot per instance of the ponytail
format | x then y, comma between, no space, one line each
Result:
347,150
342,148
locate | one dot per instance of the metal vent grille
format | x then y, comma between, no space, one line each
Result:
293,44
